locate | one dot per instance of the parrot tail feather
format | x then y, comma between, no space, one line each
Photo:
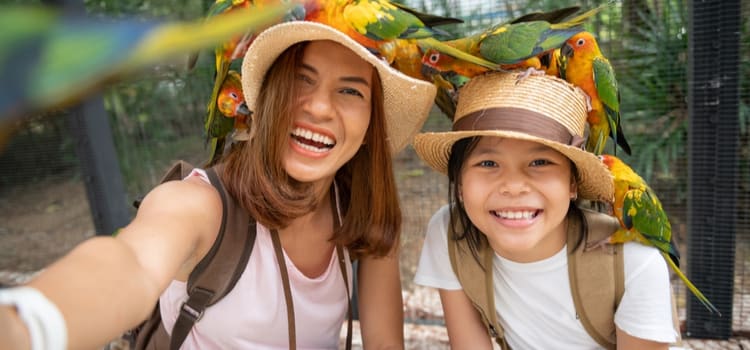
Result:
702,298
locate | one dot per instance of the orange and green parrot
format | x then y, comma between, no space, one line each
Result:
51,59
228,51
374,23
583,65
509,45
233,115
524,42
642,219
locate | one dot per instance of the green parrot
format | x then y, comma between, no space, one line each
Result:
642,219
51,59
584,65
233,115
511,43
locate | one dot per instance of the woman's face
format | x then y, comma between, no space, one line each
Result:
517,193
332,113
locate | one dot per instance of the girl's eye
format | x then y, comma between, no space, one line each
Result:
540,162
487,164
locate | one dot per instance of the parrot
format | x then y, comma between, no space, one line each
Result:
473,44
642,219
51,59
584,66
234,115
508,45
225,53
373,23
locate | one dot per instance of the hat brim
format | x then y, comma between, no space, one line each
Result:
407,101
594,179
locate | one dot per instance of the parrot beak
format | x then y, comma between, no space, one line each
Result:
428,72
566,50
242,109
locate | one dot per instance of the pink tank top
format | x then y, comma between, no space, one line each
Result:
253,314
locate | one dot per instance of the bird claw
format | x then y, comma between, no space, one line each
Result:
588,99
603,244
527,73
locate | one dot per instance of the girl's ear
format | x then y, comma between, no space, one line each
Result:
573,188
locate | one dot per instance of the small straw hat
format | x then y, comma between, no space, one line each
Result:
407,101
542,109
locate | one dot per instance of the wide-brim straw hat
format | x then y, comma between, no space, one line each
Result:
407,101
542,109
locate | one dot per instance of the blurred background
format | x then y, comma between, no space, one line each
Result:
684,74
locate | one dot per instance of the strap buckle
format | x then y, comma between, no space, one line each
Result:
191,312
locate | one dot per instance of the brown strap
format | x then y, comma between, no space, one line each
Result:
213,278
287,289
342,266
479,290
595,306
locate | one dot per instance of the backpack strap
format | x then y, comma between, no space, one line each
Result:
595,307
479,290
213,278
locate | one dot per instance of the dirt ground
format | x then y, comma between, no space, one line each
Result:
42,221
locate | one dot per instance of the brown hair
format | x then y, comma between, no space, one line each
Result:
254,175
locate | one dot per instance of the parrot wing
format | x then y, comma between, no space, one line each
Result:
643,212
517,42
76,55
382,20
428,19
609,95
553,16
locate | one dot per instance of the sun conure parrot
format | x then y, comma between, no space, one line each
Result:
50,58
228,51
583,65
642,219
373,23
444,62
233,115
510,44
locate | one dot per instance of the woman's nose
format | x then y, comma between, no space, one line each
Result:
319,103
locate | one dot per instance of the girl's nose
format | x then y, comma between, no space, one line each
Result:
512,183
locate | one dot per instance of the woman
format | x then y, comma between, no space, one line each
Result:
327,116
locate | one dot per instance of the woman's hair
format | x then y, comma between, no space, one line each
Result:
254,174
461,226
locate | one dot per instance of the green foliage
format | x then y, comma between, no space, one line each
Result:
652,71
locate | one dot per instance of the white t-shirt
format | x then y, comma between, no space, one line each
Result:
534,301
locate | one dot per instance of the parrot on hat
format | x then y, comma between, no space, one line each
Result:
584,65
374,23
513,44
642,219
52,59
216,125
233,115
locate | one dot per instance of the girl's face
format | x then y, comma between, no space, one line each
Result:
517,193
332,113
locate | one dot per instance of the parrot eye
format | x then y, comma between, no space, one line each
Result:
580,42
434,57
233,95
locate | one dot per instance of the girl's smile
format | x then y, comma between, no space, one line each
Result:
517,193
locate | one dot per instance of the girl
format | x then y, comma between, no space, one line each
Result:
328,115
515,168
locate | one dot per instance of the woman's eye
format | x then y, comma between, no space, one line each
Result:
487,164
304,78
353,92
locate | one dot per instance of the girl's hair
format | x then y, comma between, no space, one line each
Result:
254,174
461,226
